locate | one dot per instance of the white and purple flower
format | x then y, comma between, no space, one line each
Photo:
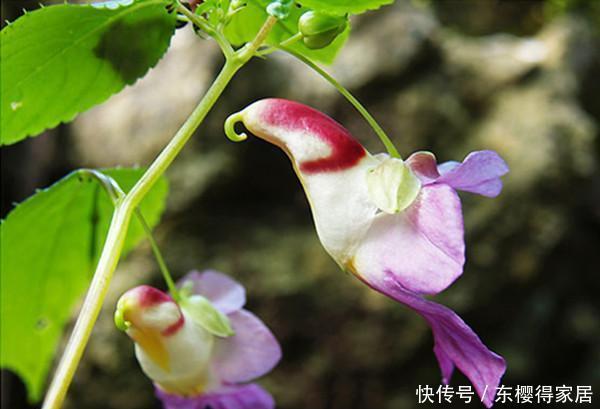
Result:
202,351
396,225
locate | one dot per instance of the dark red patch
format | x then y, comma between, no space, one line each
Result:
345,150
195,3
149,296
172,329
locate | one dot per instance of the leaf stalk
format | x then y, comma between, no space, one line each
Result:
385,139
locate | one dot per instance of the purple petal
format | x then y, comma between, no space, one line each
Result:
479,173
446,364
455,344
250,396
423,245
250,353
225,293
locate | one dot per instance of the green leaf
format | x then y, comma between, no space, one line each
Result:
49,245
203,313
246,23
345,6
58,61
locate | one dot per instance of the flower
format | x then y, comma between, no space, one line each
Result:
201,351
396,225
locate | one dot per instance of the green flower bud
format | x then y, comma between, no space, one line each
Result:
319,29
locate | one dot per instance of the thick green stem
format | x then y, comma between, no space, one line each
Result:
90,309
387,142
122,217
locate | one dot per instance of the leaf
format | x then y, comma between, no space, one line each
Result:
49,245
246,23
58,61
203,313
345,6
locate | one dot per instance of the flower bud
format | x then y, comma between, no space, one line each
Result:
319,29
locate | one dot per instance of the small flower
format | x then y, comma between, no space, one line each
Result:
396,225
202,351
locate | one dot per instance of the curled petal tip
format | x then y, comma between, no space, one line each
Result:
120,321
230,131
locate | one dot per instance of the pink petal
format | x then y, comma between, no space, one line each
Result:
455,344
226,294
424,165
250,396
423,246
251,352
479,173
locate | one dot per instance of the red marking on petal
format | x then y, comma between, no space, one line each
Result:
290,115
172,329
149,296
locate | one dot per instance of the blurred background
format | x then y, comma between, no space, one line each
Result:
519,77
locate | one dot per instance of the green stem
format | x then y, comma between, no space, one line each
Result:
387,142
91,307
204,26
286,43
158,255
111,187
168,154
122,217
293,39
116,194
